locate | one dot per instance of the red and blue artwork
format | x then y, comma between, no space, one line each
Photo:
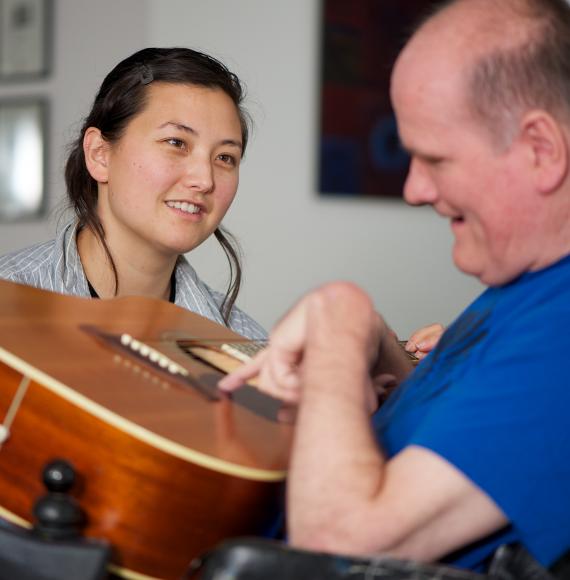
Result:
360,153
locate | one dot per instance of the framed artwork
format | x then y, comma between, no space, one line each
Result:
359,148
22,158
24,38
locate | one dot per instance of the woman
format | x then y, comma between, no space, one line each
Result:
150,177
424,340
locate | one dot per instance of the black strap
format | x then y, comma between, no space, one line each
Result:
92,290
171,297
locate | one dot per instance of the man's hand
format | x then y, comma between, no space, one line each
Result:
277,367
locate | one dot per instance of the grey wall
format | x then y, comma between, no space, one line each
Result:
293,239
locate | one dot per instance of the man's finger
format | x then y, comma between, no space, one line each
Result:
240,376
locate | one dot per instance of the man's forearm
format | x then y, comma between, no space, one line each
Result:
336,466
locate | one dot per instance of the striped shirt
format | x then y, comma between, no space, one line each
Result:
56,266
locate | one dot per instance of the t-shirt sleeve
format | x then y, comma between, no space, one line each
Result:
504,424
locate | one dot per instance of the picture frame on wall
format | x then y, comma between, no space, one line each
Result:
24,39
23,124
359,150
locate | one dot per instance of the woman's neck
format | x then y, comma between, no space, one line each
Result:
139,273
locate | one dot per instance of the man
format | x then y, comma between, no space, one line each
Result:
472,450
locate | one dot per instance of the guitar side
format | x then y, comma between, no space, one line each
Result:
165,473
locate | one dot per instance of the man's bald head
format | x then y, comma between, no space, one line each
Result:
510,56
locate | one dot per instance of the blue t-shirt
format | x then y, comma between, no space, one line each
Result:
493,399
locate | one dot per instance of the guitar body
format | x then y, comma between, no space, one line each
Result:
165,473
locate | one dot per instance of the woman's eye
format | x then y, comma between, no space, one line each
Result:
227,159
178,143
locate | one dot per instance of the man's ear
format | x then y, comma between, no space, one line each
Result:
547,147
96,151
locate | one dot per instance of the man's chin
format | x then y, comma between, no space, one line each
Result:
468,266
492,277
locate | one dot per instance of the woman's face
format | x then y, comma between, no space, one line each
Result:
173,174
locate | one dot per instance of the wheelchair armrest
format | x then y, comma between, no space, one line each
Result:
257,559
26,556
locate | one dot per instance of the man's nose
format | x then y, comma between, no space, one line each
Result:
419,188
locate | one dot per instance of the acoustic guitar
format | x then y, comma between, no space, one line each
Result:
168,466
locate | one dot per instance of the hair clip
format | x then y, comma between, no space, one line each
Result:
146,75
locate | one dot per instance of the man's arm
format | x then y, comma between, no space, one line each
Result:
343,495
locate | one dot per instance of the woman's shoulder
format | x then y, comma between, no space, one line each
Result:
245,325
21,263
195,295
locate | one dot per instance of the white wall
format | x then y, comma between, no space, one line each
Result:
292,238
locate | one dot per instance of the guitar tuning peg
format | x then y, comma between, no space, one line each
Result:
59,515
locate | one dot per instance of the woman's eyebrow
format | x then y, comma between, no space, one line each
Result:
232,143
180,126
188,129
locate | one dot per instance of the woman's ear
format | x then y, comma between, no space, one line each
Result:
547,146
96,151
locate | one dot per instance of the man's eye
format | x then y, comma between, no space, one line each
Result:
434,161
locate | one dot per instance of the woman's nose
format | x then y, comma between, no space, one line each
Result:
200,175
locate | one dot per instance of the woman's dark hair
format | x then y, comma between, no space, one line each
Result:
121,97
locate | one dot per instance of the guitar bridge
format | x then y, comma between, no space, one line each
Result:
150,356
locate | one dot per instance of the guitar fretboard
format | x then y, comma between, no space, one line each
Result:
244,351
225,356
